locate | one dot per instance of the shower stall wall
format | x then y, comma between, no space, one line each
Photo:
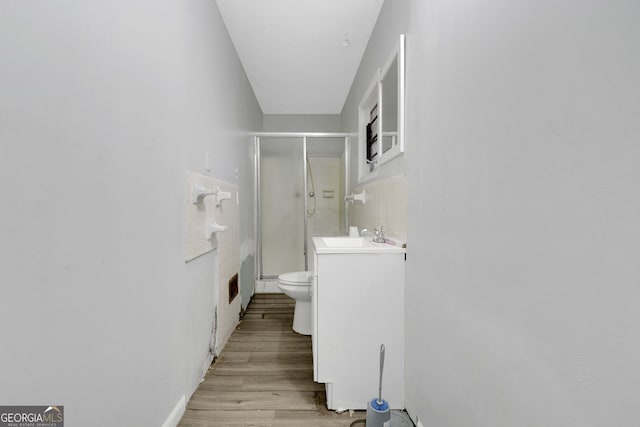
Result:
300,183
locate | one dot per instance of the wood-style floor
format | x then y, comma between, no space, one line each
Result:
264,376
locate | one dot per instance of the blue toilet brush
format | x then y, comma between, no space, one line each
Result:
378,411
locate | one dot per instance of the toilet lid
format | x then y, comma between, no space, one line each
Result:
295,278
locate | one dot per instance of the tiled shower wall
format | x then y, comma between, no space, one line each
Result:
385,205
328,176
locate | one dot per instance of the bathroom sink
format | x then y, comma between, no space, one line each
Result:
345,244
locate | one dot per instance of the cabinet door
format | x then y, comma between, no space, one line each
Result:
360,305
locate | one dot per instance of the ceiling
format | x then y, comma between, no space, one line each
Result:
300,56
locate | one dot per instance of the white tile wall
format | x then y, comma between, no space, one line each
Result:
226,242
385,205
329,200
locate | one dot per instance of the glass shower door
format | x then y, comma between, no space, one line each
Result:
281,206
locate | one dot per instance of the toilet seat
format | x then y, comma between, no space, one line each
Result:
295,278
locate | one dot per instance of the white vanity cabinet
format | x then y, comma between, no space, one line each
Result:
358,304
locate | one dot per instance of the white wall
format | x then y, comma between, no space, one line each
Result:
524,216
523,209
103,107
301,123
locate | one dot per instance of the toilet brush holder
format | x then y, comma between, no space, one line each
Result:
378,413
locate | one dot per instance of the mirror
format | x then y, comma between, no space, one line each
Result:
392,104
389,92
369,129
381,116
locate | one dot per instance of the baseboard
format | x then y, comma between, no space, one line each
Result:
268,286
414,417
176,414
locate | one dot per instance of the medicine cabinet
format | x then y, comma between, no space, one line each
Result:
381,116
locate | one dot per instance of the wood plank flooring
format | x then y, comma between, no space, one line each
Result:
264,376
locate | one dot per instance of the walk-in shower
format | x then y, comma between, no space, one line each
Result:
300,186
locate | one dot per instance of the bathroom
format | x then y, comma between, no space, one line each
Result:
520,214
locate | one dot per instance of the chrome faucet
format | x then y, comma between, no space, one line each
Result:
378,235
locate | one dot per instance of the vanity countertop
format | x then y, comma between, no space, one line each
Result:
353,245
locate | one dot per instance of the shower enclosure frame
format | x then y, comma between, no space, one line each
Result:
257,197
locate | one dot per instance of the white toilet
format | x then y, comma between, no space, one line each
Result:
296,285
